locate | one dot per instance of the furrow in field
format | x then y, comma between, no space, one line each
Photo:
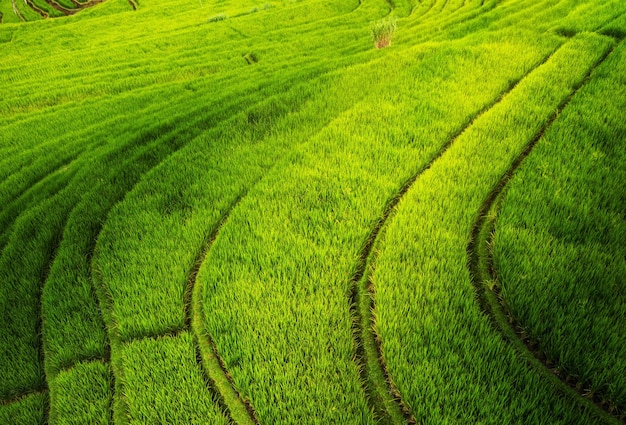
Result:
534,17
73,270
196,62
448,26
17,11
44,219
19,397
613,29
119,172
381,390
227,45
37,9
121,81
102,360
25,267
414,11
51,230
30,409
46,188
209,360
484,276
440,349
50,161
105,303
41,351
443,6
60,8
176,205
35,295
110,189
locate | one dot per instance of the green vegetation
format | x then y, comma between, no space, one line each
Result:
440,342
242,212
559,241
383,31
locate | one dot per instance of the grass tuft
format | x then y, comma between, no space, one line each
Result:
218,17
383,31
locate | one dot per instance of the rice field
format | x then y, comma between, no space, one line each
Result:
312,212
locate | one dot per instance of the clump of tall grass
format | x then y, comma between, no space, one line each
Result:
218,17
383,31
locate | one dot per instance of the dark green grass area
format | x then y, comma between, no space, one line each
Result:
30,409
559,240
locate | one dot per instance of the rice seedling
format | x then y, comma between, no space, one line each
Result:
231,211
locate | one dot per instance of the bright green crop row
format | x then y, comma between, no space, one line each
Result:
168,220
81,394
150,380
276,283
447,361
559,243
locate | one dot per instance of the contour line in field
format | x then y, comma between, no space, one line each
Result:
482,271
369,350
241,411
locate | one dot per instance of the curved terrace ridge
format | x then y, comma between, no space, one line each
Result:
207,356
484,276
384,397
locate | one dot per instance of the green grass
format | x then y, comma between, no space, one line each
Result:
333,188
82,394
558,244
239,211
27,410
150,399
440,343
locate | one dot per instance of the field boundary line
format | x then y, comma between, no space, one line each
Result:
56,244
601,29
85,360
209,360
17,11
37,9
104,298
7,231
484,276
83,5
22,396
60,8
42,387
369,355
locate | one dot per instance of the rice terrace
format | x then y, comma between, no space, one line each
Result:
260,212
